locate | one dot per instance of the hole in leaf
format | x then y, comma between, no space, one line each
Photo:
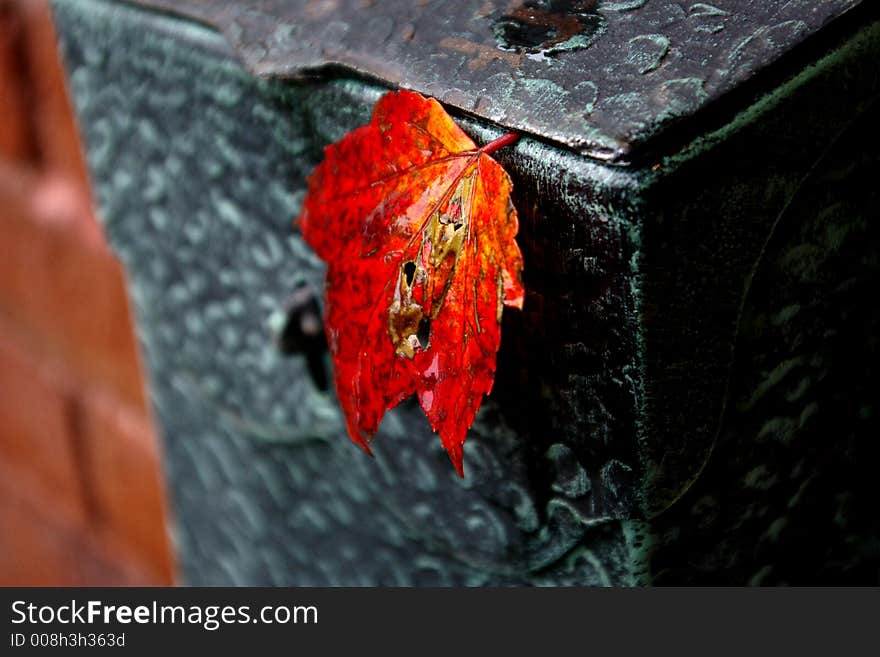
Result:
424,332
409,270
303,333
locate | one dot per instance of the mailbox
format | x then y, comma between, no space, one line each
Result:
685,397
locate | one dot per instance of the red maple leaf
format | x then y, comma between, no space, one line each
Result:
417,228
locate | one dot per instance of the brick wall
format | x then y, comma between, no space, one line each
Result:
81,499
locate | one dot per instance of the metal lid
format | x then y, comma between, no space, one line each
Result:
598,76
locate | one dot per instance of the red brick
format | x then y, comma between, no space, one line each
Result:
57,278
124,465
55,129
38,451
16,136
65,287
39,552
88,461
80,497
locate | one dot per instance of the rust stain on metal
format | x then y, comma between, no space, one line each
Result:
482,54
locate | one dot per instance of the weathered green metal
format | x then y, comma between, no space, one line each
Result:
600,457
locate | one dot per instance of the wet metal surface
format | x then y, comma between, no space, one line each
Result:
549,26
654,418
599,76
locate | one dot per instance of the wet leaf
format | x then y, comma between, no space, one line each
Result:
417,228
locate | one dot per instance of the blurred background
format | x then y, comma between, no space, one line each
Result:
81,489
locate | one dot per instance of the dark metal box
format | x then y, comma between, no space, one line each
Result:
686,395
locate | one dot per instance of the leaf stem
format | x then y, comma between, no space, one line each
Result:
501,142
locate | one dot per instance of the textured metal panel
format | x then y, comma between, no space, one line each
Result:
789,494
600,457
199,170
626,72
